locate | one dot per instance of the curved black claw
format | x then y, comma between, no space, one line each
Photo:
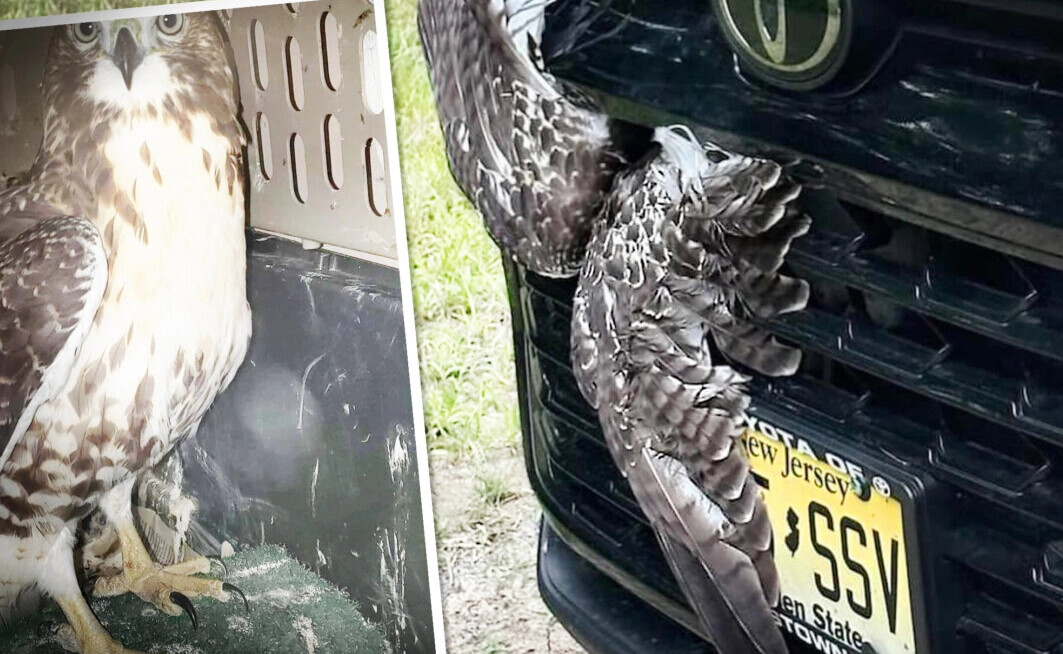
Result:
219,561
229,588
182,600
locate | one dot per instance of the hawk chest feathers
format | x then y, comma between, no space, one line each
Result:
174,322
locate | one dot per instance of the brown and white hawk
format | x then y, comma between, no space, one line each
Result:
678,248
123,307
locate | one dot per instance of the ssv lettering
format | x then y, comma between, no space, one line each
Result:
851,542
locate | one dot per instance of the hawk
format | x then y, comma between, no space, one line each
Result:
678,248
123,306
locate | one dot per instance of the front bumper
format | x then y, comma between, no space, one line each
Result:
601,614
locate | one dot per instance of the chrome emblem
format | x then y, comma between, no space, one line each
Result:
775,45
790,39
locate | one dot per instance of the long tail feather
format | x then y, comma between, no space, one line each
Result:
720,580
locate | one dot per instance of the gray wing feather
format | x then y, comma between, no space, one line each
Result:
53,273
689,251
536,165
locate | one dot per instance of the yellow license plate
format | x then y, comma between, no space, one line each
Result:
839,547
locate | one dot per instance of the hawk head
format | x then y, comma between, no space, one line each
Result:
123,76
144,65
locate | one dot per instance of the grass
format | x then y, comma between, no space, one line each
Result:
494,489
462,314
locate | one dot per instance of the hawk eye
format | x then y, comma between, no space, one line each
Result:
171,24
87,32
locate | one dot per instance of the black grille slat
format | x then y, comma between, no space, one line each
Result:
978,335
860,341
575,462
814,396
938,372
966,327
1011,631
1016,312
953,293
965,463
1021,483
1002,559
561,394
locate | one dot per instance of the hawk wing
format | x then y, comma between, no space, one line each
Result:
689,252
536,163
53,272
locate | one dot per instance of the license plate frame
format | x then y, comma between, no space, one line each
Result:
887,505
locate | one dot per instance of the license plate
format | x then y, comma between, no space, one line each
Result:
839,547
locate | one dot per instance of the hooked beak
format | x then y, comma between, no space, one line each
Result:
127,55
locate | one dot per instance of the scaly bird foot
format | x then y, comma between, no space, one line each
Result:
169,588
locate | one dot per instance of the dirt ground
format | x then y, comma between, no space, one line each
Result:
487,522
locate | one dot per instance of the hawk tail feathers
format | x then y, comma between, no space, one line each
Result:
721,582
733,621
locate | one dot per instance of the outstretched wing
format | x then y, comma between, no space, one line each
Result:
691,254
53,272
536,164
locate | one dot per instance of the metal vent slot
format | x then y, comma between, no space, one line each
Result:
371,92
293,65
376,177
265,146
259,59
962,369
962,284
330,51
333,152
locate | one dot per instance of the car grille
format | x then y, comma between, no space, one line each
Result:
934,337
953,355
942,356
